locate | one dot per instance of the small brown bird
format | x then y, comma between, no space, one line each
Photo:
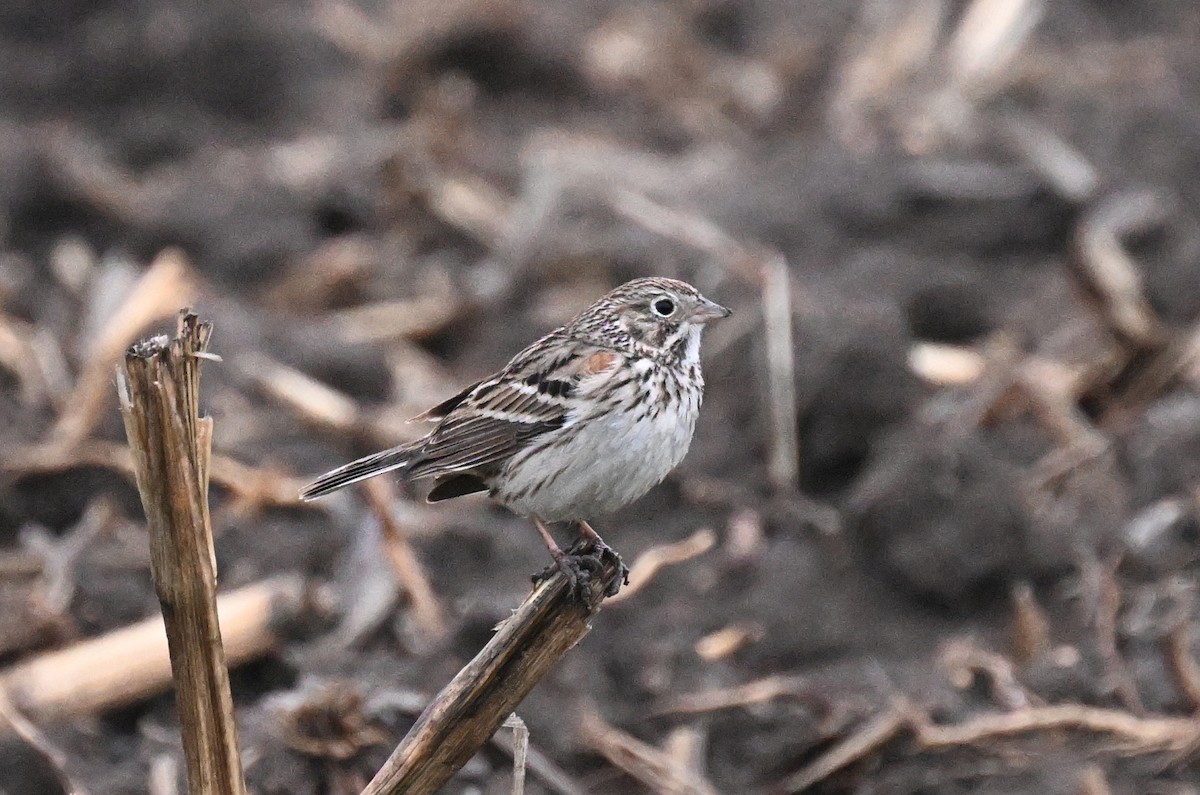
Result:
582,422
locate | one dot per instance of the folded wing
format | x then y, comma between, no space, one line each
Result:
483,426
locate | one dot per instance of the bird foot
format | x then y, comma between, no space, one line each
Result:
578,569
602,551
582,564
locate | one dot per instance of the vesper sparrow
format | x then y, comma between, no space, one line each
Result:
582,422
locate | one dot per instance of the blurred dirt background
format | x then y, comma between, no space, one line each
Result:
938,529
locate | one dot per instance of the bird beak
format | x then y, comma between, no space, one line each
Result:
708,310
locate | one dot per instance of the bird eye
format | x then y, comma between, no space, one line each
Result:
663,307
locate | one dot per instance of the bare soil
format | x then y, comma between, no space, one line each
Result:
992,243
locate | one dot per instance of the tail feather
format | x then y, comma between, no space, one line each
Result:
363,468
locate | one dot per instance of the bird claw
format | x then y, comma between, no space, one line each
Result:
577,568
580,567
601,551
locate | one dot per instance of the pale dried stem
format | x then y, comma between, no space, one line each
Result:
252,486
963,659
1109,275
869,737
745,535
19,356
1060,165
334,266
427,613
160,395
133,663
1108,605
1092,781
1031,627
1182,662
33,736
542,768
993,391
945,365
687,228
958,366
1190,356
976,65
520,746
387,321
890,44
306,164
759,691
60,558
405,27
783,465
655,768
1137,734
351,30
1178,359
986,42
686,745
728,640
1054,403
163,775
477,701
1049,390
648,564
473,206
312,400
91,174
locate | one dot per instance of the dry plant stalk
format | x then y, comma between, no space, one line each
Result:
656,558
962,659
760,691
253,487
783,466
480,698
520,751
427,613
132,663
1131,733
160,396
656,768
1031,627
553,778
18,355
1107,273
866,740
1178,651
1092,781
35,739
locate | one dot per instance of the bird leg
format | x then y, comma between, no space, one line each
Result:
578,569
602,550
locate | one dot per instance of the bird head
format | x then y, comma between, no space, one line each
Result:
656,315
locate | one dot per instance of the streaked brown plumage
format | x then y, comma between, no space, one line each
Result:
583,421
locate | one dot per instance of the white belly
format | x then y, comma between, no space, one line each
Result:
598,465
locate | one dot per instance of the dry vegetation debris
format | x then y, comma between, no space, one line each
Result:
937,531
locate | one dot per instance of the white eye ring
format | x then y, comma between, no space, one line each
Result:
662,306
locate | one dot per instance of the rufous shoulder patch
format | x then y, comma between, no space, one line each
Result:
598,362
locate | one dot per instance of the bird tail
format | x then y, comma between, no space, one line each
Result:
363,468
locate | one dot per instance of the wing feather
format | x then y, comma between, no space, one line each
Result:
484,425
535,394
